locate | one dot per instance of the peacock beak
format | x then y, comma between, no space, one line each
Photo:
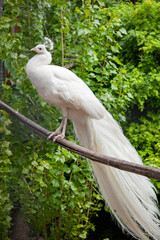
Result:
33,49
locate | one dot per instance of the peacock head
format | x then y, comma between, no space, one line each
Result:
43,57
40,49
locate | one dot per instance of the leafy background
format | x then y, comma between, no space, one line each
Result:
115,46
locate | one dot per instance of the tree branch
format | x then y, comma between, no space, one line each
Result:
70,66
110,161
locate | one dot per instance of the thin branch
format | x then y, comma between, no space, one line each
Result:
110,161
70,66
71,56
29,23
62,40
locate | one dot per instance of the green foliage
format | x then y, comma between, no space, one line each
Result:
55,189
140,55
5,177
140,51
145,137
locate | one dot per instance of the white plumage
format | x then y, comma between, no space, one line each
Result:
131,197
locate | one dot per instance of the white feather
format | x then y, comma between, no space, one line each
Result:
48,43
131,197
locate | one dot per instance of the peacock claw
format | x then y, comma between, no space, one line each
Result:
58,134
51,134
55,135
61,136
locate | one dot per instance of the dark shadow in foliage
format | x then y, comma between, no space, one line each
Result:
106,228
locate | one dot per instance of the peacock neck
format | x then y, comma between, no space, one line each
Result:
40,60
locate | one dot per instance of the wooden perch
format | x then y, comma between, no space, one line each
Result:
110,161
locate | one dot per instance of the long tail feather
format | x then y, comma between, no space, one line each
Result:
131,197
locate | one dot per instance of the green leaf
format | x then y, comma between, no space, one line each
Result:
8,152
115,49
13,55
123,31
101,3
83,31
117,61
83,235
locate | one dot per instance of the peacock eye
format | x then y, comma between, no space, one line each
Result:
40,48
